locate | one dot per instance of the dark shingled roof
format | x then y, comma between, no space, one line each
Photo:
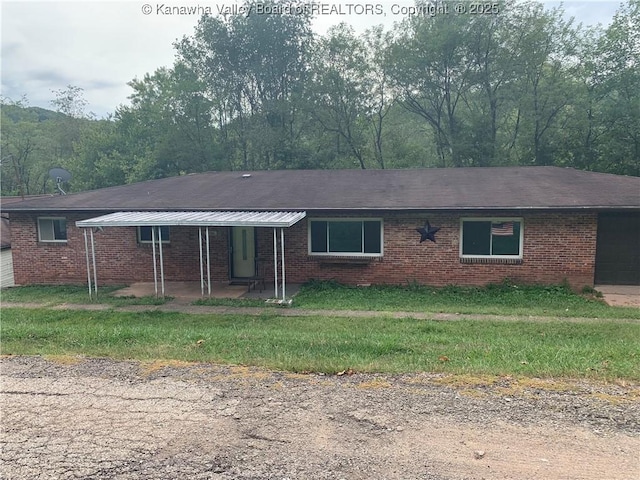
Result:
418,189
5,227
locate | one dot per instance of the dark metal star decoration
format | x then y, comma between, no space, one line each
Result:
427,232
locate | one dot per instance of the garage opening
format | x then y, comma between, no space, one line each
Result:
618,249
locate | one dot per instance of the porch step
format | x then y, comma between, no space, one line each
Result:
250,282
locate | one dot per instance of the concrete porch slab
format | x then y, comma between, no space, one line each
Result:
291,291
182,290
620,295
190,291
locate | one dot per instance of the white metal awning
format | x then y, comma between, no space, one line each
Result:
195,219
203,220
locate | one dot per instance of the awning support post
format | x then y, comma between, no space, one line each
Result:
161,260
208,266
275,263
282,259
86,250
201,262
95,273
155,267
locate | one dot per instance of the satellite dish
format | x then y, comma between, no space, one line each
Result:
60,175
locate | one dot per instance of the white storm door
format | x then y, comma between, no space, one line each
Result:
244,251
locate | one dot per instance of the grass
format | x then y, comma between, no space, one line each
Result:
596,349
234,302
501,299
52,295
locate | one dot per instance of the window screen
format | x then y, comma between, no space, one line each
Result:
356,237
491,237
52,229
145,235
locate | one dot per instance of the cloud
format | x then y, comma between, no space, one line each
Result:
97,46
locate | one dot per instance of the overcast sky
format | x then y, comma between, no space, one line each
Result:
99,46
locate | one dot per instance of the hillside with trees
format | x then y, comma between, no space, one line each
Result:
525,86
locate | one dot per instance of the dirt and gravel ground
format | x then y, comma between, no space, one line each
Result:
78,418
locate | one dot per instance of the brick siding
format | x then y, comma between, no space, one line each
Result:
557,247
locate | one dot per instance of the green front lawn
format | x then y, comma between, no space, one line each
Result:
602,349
74,294
501,299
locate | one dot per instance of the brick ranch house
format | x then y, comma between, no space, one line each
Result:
527,224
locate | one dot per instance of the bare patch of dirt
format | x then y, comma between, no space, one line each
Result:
103,419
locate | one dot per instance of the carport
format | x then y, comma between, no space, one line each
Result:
203,221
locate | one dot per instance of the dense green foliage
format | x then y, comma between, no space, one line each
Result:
596,349
522,87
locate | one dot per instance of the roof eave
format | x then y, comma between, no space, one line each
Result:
325,208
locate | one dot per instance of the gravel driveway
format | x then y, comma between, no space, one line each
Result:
77,418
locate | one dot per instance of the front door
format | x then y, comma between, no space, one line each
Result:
243,252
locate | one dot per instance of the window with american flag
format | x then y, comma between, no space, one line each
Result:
491,237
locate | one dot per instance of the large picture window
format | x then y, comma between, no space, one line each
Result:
52,229
145,235
345,237
488,238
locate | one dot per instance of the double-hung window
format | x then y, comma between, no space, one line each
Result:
483,238
346,237
145,234
52,229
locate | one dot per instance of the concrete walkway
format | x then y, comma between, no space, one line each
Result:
620,295
627,296
183,307
187,292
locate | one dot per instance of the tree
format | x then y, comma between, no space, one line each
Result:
29,137
381,94
73,125
433,74
71,102
493,55
339,92
170,126
618,67
547,54
253,68
521,87
17,148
